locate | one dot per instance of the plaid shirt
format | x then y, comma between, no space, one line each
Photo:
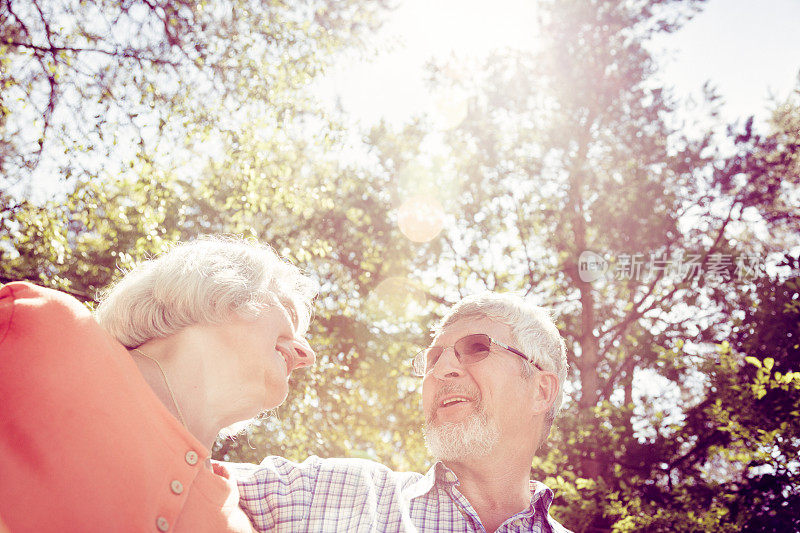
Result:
359,495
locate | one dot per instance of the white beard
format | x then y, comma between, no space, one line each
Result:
475,436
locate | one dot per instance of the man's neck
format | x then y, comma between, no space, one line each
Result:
496,489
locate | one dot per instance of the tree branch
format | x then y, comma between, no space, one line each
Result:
127,54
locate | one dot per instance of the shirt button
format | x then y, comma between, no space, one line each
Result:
176,486
162,524
191,457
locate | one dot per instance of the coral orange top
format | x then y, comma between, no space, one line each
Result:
85,445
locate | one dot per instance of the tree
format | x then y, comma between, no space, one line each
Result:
135,95
330,217
97,78
271,174
572,154
569,149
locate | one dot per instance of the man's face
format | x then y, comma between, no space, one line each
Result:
469,408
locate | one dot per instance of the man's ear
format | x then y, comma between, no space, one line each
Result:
545,391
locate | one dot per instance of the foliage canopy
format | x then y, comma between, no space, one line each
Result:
568,149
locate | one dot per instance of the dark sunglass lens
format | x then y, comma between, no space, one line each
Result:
473,348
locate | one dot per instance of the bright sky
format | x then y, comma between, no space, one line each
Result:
745,48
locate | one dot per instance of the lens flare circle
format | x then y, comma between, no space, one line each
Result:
396,298
421,218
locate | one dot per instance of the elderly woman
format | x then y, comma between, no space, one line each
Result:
107,426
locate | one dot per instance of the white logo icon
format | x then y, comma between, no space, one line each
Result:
591,266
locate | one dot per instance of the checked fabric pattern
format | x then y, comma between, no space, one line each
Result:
333,495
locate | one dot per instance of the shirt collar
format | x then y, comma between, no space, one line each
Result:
423,485
541,495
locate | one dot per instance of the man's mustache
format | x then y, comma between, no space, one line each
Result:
450,389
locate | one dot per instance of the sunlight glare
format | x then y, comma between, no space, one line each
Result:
392,85
468,27
420,218
451,109
395,298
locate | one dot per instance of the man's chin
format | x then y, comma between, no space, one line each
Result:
473,436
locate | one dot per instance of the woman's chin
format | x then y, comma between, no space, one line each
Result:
235,429
276,396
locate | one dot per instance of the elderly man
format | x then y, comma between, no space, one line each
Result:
492,384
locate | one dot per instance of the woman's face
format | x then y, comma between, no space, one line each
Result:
257,357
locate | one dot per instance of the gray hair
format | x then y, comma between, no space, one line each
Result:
532,330
203,281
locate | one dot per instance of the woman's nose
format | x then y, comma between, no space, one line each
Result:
305,354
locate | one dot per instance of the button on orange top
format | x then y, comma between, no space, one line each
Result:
162,524
176,486
191,457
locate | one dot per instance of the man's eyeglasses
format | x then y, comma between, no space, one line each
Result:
468,350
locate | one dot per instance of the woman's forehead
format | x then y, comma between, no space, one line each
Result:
278,317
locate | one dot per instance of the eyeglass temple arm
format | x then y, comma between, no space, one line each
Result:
514,350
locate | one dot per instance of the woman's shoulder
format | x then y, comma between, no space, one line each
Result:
24,296
35,315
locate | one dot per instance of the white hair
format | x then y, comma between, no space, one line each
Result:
203,281
533,332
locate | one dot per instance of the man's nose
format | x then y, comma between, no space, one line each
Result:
305,355
448,365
